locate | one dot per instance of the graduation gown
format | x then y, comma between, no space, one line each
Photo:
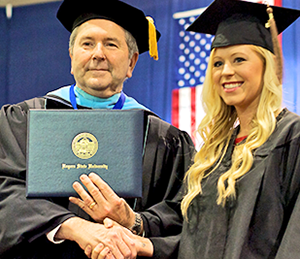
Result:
262,222
24,222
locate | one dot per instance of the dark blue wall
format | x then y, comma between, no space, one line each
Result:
4,37
37,58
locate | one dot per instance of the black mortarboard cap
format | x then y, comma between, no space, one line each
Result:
240,22
73,13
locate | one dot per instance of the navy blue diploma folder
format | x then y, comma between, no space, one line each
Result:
63,144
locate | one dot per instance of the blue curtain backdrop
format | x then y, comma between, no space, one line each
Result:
3,57
291,53
34,55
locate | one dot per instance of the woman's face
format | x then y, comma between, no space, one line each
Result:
237,75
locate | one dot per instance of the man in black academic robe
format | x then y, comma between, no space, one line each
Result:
25,224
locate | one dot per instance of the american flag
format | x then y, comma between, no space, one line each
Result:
192,52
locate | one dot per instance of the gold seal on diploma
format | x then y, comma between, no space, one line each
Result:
84,145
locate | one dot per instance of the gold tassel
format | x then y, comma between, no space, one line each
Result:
152,39
277,48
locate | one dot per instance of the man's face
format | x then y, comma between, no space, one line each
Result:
100,58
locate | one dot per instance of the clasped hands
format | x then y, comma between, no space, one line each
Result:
112,238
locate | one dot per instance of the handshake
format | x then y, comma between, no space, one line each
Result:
116,230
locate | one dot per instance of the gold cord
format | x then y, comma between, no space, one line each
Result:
152,39
277,48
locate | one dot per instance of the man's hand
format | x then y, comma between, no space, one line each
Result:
143,245
86,234
101,201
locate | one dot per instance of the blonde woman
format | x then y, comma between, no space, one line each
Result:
241,198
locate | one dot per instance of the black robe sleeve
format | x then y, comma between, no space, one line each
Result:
163,225
289,248
168,154
20,218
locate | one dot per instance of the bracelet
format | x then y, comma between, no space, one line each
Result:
136,228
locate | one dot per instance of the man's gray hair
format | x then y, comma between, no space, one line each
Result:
130,41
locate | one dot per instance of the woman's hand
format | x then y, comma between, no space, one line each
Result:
143,246
99,252
101,201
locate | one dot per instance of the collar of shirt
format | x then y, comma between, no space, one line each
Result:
87,100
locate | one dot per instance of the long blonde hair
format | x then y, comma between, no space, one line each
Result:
217,127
